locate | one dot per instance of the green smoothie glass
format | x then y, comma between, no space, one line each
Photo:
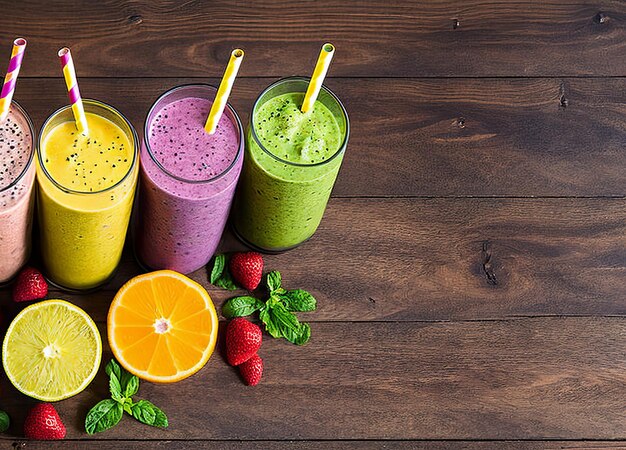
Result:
291,164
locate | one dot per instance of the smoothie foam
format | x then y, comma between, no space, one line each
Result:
17,176
184,204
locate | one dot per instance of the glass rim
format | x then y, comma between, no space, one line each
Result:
72,191
341,148
32,147
153,158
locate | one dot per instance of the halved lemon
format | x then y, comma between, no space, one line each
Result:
52,350
162,326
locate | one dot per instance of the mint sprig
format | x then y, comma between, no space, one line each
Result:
4,421
220,275
108,413
277,312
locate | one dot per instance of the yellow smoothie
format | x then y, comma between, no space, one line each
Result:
86,191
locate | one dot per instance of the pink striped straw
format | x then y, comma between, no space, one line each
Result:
72,88
11,77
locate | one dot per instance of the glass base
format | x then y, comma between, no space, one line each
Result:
9,282
144,268
79,291
261,249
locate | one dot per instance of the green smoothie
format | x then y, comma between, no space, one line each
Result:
292,161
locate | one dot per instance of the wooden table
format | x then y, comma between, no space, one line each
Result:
471,266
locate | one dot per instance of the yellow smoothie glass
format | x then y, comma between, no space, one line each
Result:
86,191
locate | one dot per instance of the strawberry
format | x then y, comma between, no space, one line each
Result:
243,339
30,285
247,269
43,423
252,370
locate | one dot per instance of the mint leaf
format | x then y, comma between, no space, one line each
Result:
130,384
220,276
115,387
4,421
273,281
285,322
127,405
226,281
113,368
146,412
219,263
304,334
298,300
105,415
241,306
270,326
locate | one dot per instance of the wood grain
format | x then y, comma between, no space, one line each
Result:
328,444
495,137
519,379
116,38
443,259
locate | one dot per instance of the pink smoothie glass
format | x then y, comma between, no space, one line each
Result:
187,180
17,177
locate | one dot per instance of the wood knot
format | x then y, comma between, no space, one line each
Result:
460,122
455,24
487,264
135,19
601,18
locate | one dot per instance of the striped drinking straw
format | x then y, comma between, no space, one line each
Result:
323,63
72,88
11,77
226,85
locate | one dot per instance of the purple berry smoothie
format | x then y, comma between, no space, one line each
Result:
188,180
17,176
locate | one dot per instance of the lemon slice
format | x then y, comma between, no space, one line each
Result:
52,350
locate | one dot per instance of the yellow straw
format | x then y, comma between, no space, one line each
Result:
224,91
323,62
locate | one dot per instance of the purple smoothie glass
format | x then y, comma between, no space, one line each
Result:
183,203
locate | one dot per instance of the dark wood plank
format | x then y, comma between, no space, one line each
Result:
445,259
376,38
306,445
556,378
466,137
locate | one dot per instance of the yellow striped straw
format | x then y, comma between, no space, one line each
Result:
223,91
72,89
8,87
323,63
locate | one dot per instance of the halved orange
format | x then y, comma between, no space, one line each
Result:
162,326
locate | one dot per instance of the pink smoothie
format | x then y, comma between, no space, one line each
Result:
184,204
17,176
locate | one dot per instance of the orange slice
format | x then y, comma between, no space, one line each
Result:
162,326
